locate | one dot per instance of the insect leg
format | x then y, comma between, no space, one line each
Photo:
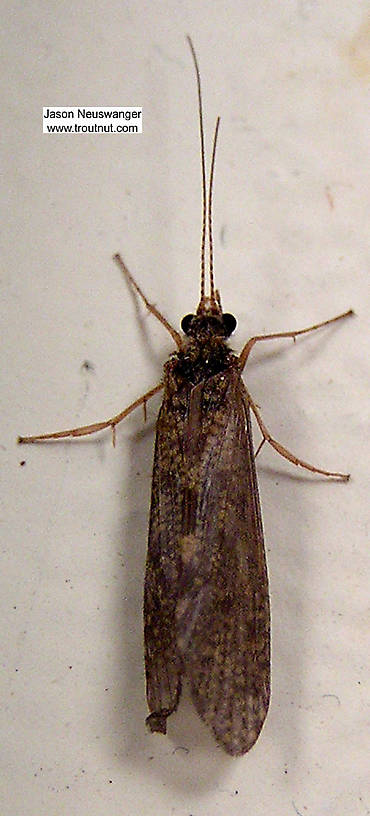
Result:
283,451
150,306
243,357
85,430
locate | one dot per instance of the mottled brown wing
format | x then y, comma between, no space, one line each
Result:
223,623
162,661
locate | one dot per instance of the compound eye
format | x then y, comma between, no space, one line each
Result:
186,323
229,322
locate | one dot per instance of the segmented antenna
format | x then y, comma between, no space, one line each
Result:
204,190
211,280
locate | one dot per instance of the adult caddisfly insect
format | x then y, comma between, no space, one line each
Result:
206,603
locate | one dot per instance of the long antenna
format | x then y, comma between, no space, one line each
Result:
204,190
211,280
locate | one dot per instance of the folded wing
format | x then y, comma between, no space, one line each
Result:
223,623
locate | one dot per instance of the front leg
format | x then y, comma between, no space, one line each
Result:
243,357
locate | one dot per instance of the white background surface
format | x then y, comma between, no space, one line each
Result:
290,81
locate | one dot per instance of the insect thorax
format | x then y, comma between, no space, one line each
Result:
200,359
